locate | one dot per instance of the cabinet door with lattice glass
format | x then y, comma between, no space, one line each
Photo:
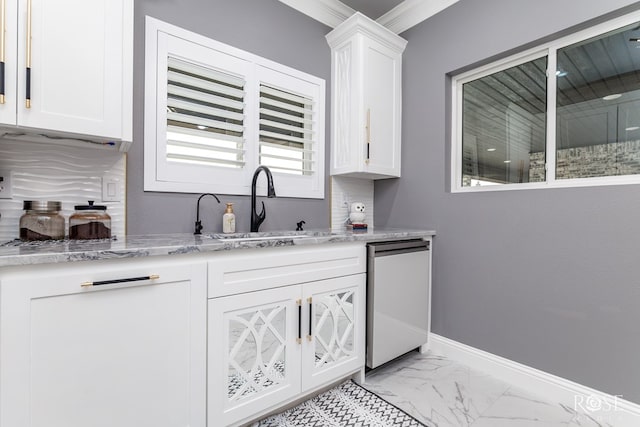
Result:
334,345
254,353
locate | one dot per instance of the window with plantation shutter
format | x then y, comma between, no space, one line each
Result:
214,113
205,116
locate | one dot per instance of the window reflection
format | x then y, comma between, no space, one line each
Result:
503,125
598,106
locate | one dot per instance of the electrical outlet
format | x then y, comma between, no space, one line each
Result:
111,189
6,186
345,200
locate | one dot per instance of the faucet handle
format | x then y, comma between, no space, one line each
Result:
198,228
260,217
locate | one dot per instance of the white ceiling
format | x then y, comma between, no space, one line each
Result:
374,9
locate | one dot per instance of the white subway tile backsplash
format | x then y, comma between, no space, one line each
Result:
346,190
71,175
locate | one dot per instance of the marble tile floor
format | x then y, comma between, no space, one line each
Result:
443,393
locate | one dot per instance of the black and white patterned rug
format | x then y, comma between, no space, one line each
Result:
347,405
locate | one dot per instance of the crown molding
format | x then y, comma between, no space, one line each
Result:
361,24
399,19
329,12
412,12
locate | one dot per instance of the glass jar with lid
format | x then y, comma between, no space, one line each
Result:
41,220
90,222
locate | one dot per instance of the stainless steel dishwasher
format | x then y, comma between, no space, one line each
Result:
397,298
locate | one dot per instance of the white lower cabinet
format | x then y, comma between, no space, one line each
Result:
268,347
126,353
188,341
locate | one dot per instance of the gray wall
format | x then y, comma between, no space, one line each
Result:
548,278
264,27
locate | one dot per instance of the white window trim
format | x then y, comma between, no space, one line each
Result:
239,182
550,50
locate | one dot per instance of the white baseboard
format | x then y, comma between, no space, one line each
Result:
593,403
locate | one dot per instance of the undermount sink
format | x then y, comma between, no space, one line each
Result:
254,238
267,236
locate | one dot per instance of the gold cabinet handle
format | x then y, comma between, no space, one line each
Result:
368,129
28,59
129,279
3,30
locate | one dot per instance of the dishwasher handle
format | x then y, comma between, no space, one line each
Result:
378,249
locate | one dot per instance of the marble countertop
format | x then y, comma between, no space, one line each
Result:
15,253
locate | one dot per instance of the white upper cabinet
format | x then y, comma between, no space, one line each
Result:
366,94
68,69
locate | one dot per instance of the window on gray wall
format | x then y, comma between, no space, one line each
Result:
598,106
563,114
503,122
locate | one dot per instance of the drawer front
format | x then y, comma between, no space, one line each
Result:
245,271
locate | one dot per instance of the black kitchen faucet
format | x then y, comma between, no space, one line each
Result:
258,218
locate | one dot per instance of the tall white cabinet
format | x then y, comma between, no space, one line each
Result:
366,94
68,68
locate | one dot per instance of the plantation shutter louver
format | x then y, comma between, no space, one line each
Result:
205,116
287,132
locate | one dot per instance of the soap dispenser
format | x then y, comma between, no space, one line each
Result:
229,220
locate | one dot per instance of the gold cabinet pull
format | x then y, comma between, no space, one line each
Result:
129,279
3,31
28,59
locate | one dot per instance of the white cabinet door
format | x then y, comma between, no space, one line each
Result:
126,354
382,100
9,46
254,353
78,54
335,343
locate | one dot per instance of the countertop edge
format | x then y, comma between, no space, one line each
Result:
36,253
